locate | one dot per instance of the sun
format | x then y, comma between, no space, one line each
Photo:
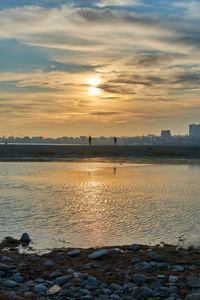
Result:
93,83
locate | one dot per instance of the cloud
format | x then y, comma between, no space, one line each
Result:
104,3
103,113
192,7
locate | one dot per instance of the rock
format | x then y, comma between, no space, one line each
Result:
115,286
140,278
179,268
63,279
115,250
173,279
28,295
17,278
10,283
161,276
25,238
193,296
5,258
98,254
39,280
48,263
53,290
56,273
134,247
39,288
4,267
2,273
135,260
91,281
74,252
155,256
10,241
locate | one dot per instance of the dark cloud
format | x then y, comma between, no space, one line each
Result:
102,113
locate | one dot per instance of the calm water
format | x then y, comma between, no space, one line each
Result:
84,204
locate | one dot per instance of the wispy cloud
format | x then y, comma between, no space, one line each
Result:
104,3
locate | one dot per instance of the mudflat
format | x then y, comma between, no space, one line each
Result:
53,152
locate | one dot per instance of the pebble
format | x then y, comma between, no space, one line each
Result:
10,283
134,247
4,267
53,290
98,254
72,282
155,256
39,288
74,253
48,263
173,279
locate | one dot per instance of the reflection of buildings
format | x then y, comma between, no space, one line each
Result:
194,130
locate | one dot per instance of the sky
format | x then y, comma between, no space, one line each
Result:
99,67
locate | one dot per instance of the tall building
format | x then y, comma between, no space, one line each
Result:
194,130
166,135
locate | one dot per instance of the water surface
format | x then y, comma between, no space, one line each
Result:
89,204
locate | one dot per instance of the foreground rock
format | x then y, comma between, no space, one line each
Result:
128,272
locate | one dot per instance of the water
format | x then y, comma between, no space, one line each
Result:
89,204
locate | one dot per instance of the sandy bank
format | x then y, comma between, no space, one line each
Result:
56,152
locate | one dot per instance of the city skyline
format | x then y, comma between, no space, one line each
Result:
99,67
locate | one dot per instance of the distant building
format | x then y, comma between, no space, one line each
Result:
166,135
194,130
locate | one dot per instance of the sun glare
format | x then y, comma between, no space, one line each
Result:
94,81
93,89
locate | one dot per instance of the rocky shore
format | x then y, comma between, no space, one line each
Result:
127,272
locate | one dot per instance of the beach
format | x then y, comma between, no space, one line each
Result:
57,152
126,272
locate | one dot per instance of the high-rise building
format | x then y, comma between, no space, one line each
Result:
194,130
166,135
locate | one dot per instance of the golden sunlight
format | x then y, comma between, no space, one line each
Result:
93,81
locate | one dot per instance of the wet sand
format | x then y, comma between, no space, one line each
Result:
36,152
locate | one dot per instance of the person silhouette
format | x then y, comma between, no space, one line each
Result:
90,140
115,140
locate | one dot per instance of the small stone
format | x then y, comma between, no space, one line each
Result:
25,238
2,273
173,279
39,288
134,247
155,256
5,258
17,278
115,250
98,254
10,283
91,281
74,252
63,279
4,267
179,268
53,290
135,260
115,286
56,273
161,276
39,280
28,295
193,296
140,278
48,263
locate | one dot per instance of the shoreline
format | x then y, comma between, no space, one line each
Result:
12,152
124,272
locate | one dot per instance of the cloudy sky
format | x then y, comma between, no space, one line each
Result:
99,67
